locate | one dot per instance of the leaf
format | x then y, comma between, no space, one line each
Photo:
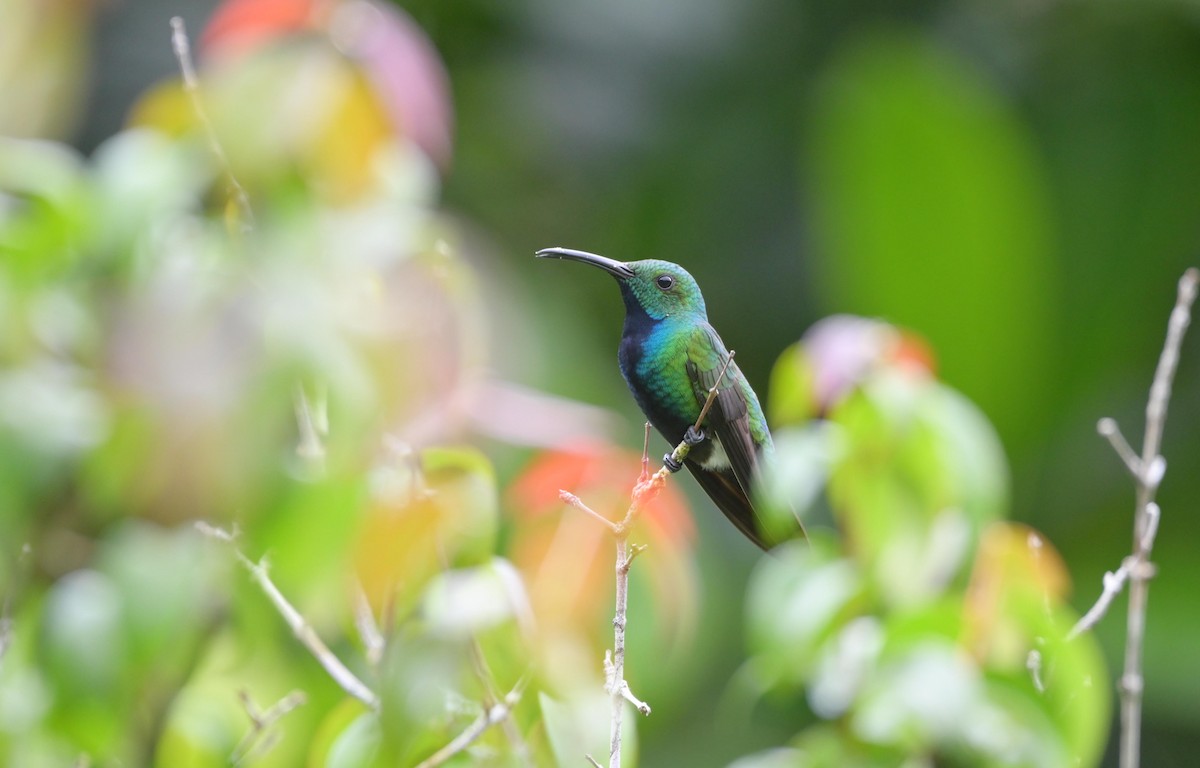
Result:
794,482
931,211
1014,607
1016,581
796,600
340,732
923,697
357,744
45,215
448,516
172,584
920,473
465,602
579,726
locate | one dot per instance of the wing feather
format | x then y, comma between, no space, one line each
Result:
728,421
729,418
727,494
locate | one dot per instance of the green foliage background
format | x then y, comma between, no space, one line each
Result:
1018,184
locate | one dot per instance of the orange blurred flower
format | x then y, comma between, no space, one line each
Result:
567,558
239,25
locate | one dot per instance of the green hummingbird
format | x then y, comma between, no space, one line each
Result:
671,357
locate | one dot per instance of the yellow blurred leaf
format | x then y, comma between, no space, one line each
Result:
1017,581
447,518
164,107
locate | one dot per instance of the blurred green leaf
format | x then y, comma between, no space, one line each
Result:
172,586
925,697
578,726
930,210
795,481
424,680
86,659
438,510
356,745
796,600
45,207
464,480
346,731
921,474
462,602
792,386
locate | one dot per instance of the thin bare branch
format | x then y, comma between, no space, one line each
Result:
260,738
300,627
191,85
1111,431
1139,581
646,488
1136,569
638,704
615,664
6,620
489,717
1033,664
1114,582
368,628
312,424
483,671
577,502
1153,513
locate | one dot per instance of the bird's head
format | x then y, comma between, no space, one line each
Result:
659,288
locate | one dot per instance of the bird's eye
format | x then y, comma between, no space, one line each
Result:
665,282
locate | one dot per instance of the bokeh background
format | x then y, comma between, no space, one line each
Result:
1016,183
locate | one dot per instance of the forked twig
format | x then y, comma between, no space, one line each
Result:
647,487
300,627
191,85
490,716
1136,569
260,738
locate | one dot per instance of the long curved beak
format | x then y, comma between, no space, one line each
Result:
617,269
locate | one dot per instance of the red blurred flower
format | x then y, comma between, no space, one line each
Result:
567,557
240,25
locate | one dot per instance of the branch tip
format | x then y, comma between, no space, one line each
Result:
299,625
1155,471
1136,569
191,86
1153,513
1188,285
1109,430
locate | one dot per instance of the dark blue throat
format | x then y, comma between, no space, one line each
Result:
635,341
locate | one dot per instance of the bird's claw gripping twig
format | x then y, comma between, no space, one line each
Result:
694,436
670,463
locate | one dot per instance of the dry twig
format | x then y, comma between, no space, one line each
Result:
303,631
647,487
191,86
1136,569
490,716
368,629
260,738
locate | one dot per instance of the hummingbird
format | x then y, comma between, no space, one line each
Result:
671,357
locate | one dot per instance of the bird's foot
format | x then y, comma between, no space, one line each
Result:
670,463
694,436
